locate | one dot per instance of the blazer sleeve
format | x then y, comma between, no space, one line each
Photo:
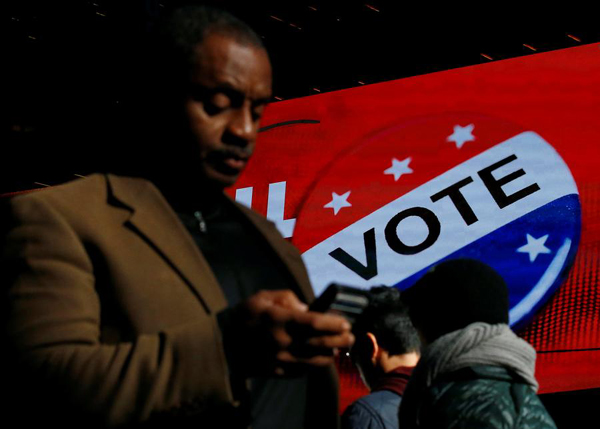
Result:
52,328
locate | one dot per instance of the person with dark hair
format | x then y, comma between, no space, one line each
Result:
385,352
151,297
474,371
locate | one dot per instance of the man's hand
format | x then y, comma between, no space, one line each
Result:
274,333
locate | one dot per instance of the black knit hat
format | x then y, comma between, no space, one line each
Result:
454,294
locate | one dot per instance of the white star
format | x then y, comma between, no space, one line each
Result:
534,247
399,168
461,135
337,202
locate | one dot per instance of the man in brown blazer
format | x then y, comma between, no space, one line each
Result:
157,300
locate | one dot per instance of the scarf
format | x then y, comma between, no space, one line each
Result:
477,344
394,381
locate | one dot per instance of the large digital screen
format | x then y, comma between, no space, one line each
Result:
497,162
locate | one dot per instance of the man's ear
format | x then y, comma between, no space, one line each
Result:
375,347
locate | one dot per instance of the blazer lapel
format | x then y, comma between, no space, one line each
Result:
285,251
154,220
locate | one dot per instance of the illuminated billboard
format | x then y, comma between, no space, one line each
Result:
497,162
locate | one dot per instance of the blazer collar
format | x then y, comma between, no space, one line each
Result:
155,221
153,218
285,251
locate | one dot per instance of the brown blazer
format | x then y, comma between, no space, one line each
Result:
111,306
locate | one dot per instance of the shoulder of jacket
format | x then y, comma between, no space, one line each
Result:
82,203
270,227
252,213
530,409
361,414
470,402
89,187
381,398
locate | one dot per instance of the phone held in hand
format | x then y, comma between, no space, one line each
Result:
344,300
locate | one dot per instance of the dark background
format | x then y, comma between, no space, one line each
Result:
74,72
74,65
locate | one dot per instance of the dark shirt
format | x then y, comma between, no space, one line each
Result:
244,263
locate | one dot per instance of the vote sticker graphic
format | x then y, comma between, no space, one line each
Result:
444,187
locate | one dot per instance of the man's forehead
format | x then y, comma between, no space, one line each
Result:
223,60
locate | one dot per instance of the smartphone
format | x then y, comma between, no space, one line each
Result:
344,300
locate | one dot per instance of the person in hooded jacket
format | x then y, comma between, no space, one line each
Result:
474,372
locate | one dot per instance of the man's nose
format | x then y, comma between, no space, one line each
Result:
242,125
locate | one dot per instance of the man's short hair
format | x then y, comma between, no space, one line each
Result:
181,31
387,318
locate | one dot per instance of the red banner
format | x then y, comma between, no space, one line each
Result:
498,160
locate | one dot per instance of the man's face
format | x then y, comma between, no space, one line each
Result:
230,87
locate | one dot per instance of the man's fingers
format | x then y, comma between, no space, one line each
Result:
277,315
344,340
323,322
289,300
285,357
282,339
283,298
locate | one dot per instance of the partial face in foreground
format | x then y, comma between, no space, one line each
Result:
230,87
